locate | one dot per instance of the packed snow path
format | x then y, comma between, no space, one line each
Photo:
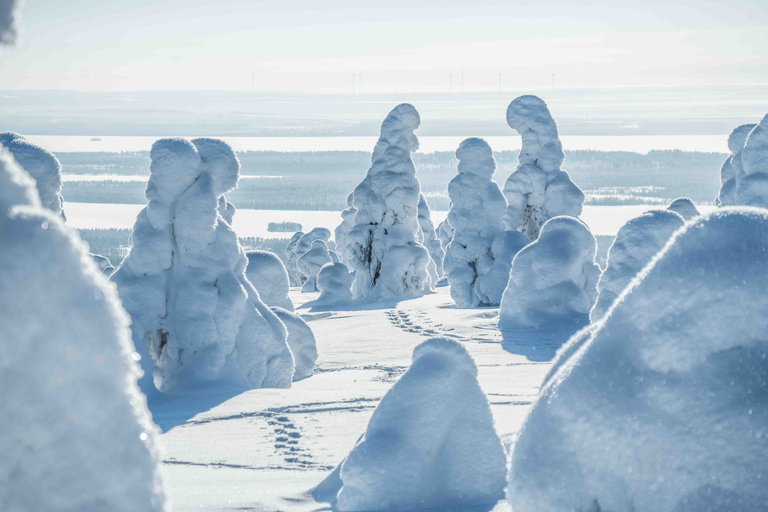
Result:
264,449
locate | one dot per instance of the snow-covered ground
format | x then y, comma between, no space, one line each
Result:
264,449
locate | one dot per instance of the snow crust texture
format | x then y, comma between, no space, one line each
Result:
268,275
76,433
335,284
664,406
383,246
42,165
685,207
477,210
552,282
9,21
636,243
194,313
430,442
538,189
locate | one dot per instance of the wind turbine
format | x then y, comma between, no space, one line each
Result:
500,75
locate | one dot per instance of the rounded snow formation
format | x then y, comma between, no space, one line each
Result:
685,207
552,283
343,229
430,443
42,165
9,21
428,238
310,263
489,287
383,246
301,339
267,274
76,432
732,172
335,284
752,190
294,275
477,209
636,243
299,245
538,189
194,313
663,407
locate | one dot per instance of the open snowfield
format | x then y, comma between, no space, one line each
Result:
264,449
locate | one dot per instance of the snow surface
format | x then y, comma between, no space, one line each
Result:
9,21
685,207
43,166
552,283
477,209
635,245
429,239
538,189
267,274
76,433
310,263
194,313
335,284
664,406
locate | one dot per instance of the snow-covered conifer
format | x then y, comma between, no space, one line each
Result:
538,189
294,275
477,209
490,286
383,247
444,233
732,171
310,263
194,312
685,207
341,232
335,284
428,238
302,245
753,188
663,406
267,274
76,433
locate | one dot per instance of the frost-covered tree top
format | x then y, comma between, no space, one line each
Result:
9,21
685,207
732,171
753,188
194,312
636,243
663,407
267,274
335,284
299,245
538,189
382,247
42,165
76,433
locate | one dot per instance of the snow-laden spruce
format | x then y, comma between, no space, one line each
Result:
343,229
552,282
753,188
298,246
685,207
42,165
9,21
491,285
76,433
383,247
445,233
664,406
310,263
335,284
194,312
538,189
732,171
635,244
294,275
428,238
267,274
477,209
301,339
430,443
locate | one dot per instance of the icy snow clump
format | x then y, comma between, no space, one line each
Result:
383,246
310,263
538,189
335,284
732,172
636,243
267,274
194,312
430,442
753,188
664,407
428,238
477,209
552,282
685,207
9,21
301,339
76,433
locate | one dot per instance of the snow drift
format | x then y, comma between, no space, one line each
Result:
76,433
685,207
430,442
552,282
664,407
9,21
538,189
267,274
335,284
194,312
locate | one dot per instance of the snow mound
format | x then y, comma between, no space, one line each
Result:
335,284
753,188
538,189
310,263
664,407
489,287
267,274
343,229
103,263
194,312
732,172
301,339
76,432
430,442
9,21
383,246
428,238
552,282
43,166
477,209
636,243
685,207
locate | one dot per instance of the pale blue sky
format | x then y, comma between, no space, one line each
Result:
400,46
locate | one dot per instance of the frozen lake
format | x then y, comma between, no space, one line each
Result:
634,143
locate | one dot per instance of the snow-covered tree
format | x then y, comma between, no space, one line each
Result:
430,443
42,165
343,229
538,189
428,238
732,171
383,247
635,244
267,274
310,263
685,207
194,312
335,284
477,209
298,247
294,275
753,188
663,407
444,233
75,431
490,286
301,339
9,21
552,282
